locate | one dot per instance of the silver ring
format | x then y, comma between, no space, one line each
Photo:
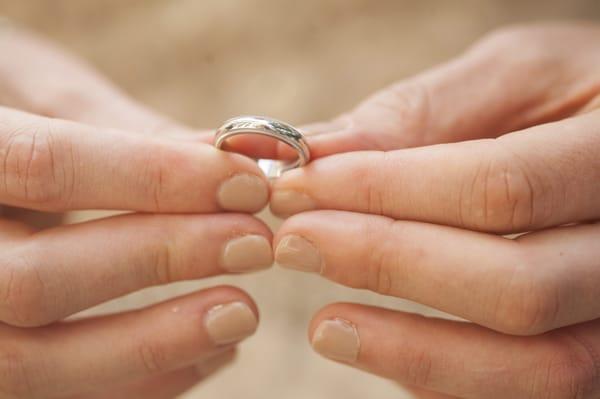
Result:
272,128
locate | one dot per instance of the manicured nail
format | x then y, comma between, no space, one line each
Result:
337,339
289,202
230,323
247,253
295,252
243,193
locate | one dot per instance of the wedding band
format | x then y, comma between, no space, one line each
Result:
271,128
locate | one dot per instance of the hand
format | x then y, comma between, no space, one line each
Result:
181,191
424,223
32,78
39,77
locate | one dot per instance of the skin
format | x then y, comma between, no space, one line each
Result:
80,143
509,143
424,224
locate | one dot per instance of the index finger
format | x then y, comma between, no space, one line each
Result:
536,178
55,165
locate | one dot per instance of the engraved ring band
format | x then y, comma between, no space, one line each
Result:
271,128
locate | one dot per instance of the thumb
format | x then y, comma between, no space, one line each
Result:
39,77
486,92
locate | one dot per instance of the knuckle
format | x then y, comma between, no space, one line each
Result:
533,58
162,261
35,168
152,357
381,272
502,195
15,375
152,177
23,294
403,111
527,304
384,264
506,34
527,312
418,368
569,372
164,258
378,199
505,38
55,102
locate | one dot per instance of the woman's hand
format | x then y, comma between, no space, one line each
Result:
39,77
187,195
425,223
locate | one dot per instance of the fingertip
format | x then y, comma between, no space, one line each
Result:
335,336
287,202
242,223
247,246
247,253
243,192
295,252
223,294
304,242
241,184
252,145
313,221
230,317
187,177
331,311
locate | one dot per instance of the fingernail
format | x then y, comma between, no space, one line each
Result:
289,202
247,253
230,323
337,339
243,193
295,252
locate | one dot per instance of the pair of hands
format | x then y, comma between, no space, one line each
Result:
424,223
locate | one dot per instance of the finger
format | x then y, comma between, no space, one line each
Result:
171,384
55,165
12,231
426,394
536,283
456,358
53,274
259,146
87,355
540,177
32,78
256,146
592,105
458,100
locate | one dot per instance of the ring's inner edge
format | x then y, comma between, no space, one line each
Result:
272,168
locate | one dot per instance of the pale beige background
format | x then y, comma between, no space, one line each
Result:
204,61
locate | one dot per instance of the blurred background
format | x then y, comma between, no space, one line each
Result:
202,62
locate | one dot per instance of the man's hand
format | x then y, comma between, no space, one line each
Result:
424,223
192,202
